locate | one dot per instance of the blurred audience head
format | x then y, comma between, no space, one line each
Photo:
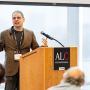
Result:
74,76
2,73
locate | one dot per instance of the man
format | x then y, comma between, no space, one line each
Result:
73,79
16,41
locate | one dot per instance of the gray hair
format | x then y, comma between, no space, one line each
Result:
78,82
17,11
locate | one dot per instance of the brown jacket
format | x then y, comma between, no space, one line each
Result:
8,43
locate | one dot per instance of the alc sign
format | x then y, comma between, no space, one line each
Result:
61,58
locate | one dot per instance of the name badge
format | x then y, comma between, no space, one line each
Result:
17,57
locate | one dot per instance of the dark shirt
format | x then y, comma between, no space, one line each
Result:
18,36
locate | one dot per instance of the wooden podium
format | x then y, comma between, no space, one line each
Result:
36,69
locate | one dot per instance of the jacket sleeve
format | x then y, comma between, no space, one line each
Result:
34,44
1,42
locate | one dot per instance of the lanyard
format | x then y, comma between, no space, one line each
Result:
18,40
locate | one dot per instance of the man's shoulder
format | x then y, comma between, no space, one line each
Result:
5,31
64,86
28,30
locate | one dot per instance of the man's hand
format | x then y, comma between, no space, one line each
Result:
44,42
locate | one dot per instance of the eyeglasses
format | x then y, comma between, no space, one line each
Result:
16,18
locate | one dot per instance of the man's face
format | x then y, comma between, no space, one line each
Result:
17,20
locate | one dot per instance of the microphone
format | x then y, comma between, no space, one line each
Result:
51,38
46,35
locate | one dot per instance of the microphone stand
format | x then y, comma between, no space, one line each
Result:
58,42
51,38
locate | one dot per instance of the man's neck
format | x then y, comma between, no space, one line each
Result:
18,28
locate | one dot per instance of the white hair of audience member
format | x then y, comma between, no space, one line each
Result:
73,79
74,76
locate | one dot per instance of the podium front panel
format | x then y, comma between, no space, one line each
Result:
37,69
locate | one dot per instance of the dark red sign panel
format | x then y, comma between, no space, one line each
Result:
61,58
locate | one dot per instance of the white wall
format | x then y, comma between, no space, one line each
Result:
55,1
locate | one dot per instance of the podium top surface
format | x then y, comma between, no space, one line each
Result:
43,48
